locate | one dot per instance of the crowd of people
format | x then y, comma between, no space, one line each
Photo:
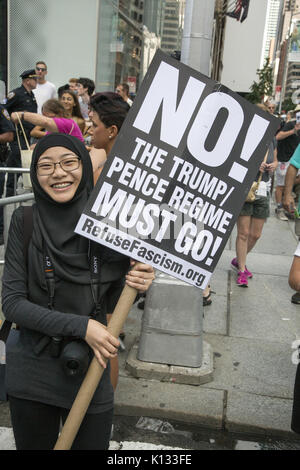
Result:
277,173
50,287
71,131
42,109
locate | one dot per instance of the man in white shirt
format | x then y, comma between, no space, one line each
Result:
44,90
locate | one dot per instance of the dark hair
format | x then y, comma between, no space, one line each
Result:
41,62
125,87
87,83
62,89
110,107
54,106
76,109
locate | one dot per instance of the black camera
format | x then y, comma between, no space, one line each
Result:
75,358
73,355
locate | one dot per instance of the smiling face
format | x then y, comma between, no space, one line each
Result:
68,102
62,184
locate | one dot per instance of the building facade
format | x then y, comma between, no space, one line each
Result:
287,69
173,21
100,39
271,30
114,41
246,52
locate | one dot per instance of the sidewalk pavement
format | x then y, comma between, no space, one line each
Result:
250,331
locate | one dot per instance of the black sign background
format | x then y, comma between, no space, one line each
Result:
183,162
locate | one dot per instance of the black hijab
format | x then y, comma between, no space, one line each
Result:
54,223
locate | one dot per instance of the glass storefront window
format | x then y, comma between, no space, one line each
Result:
107,46
120,41
128,61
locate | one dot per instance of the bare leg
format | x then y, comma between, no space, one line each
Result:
243,230
206,291
279,194
206,296
256,228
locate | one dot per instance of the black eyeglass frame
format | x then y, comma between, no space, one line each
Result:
53,165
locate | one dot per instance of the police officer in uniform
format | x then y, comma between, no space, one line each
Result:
20,99
6,136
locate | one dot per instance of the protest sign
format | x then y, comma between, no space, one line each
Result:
179,172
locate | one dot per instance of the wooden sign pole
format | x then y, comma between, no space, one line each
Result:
94,374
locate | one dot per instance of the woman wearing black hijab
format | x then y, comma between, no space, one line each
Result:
52,299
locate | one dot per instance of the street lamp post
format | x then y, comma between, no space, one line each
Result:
197,35
172,328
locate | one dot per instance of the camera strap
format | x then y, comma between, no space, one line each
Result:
94,260
50,284
49,275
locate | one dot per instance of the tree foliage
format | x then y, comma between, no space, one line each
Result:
288,104
264,86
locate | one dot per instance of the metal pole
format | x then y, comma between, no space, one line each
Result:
196,50
172,328
197,34
16,199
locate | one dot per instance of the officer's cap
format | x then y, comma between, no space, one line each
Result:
29,74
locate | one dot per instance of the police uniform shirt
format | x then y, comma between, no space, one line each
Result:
5,123
22,100
5,126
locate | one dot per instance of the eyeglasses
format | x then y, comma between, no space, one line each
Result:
48,168
41,69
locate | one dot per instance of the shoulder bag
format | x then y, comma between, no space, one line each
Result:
254,188
26,156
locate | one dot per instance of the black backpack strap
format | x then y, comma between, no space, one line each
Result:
27,232
28,227
5,329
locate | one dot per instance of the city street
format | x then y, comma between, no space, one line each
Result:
262,374
143,433
162,152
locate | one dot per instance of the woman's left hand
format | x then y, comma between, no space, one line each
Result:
272,167
140,276
263,167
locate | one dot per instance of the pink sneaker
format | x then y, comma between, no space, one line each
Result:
234,265
242,279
